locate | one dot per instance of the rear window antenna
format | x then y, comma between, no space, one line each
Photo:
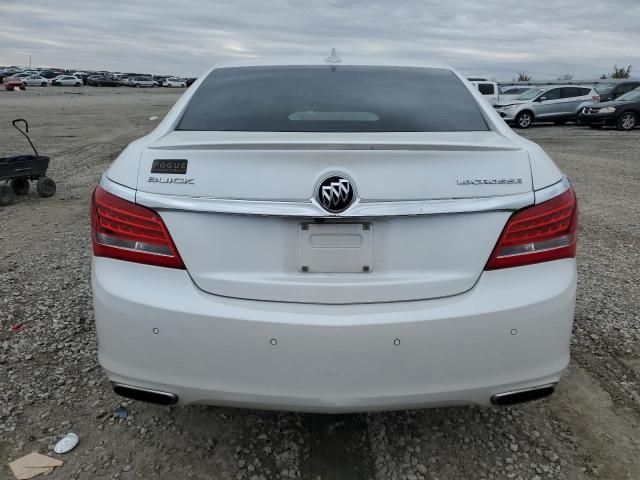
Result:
333,57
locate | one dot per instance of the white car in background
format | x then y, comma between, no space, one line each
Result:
142,82
36,81
333,236
66,81
174,82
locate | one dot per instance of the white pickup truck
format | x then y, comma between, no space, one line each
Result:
487,88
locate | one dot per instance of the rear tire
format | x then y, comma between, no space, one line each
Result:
20,186
524,119
43,84
627,121
77,84
7,197
46,187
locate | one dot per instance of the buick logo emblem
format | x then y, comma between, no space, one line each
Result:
335,194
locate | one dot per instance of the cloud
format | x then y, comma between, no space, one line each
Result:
495,37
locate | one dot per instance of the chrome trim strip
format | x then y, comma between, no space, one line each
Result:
461,147
552,191
311,208
117,189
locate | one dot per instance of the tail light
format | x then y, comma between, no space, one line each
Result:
540,233
126,231
596,98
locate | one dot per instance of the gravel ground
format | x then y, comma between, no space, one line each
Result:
50,382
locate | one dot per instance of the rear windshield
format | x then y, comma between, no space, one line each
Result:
516,91
531,94
605,87
332,99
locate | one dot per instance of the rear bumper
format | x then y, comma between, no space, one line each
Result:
157,330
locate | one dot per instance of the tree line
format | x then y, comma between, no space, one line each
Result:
618,73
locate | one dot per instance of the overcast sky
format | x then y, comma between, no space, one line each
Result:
498,38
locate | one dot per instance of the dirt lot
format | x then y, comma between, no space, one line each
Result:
50,383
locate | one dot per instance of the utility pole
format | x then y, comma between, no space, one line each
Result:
29,61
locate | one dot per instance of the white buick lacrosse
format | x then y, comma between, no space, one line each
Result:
333,235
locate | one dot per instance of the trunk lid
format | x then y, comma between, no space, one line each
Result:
375,257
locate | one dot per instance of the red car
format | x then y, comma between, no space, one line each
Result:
12,82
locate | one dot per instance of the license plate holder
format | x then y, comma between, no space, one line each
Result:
335,247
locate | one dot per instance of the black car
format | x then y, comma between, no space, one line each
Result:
612,90
50,74
102,81
623,113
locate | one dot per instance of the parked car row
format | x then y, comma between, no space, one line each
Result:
22,81
22,78
576,103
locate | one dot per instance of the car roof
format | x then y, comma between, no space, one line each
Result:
619,81
323,60
547,87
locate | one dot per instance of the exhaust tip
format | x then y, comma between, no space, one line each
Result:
525,395
144,394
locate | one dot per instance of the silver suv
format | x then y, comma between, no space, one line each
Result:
557,104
